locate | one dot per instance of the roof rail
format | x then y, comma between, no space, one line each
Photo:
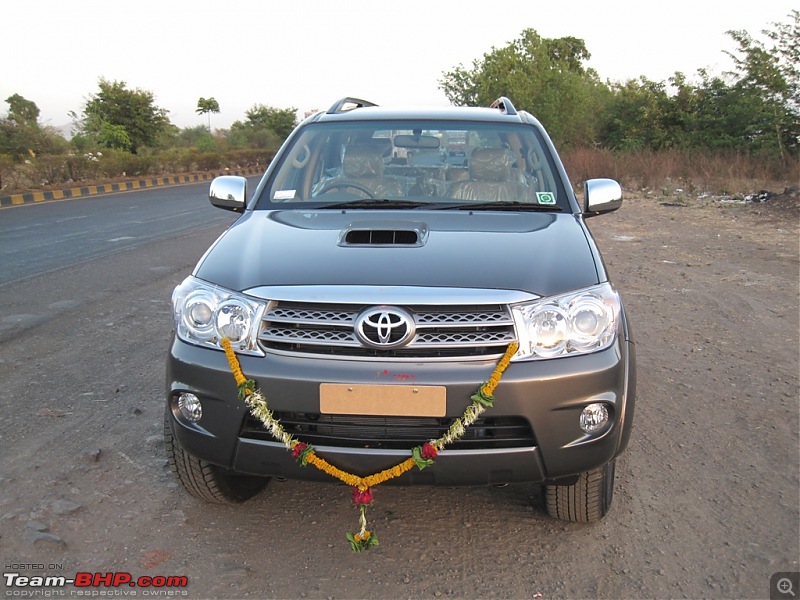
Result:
505,106
339,107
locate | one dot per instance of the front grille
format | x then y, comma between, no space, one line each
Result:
441,331
398,433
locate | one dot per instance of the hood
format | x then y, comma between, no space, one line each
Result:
541,253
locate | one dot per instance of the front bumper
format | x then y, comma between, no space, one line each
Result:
549,395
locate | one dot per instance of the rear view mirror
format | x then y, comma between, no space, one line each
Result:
428,142
601,196
228,192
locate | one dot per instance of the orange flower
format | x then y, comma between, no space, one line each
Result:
362,495
363,538
233,362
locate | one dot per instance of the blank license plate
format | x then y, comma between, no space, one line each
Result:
383,400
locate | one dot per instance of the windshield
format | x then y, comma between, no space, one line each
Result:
415,164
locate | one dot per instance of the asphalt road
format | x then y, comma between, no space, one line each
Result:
38,238
53,237
706,503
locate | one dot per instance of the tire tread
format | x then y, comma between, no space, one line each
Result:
585,501
204,480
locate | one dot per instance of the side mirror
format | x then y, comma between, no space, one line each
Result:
601,196
228,192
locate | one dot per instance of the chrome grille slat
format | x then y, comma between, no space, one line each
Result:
450,318
456,331
464,339
285,315
323,337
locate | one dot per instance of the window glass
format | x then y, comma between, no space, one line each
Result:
425,161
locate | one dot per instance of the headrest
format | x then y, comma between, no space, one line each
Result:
490,164
362,161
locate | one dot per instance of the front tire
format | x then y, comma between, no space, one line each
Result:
585,501
204,480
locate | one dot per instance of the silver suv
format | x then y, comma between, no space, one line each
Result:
383,266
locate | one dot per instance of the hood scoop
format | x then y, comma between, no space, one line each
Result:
384,233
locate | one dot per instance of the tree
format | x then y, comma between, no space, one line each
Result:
265,127
117,117
643,115
544,76
22,111
769,79
207,106
787,39
19,130
755,108
21,136
281,121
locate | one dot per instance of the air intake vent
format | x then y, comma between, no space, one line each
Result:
400,233
381,237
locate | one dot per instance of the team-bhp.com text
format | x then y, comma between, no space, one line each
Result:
94,584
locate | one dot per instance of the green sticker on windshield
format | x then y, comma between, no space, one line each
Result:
545,197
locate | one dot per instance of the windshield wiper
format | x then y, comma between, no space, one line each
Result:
376,203
503,205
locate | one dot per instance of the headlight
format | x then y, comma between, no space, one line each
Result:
204,314
576,323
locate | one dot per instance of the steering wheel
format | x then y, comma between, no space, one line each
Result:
343,184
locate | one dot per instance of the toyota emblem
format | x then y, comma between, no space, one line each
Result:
384,327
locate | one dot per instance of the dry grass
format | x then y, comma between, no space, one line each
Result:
692,172
664,172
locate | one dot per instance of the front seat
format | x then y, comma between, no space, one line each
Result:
490,179
363,164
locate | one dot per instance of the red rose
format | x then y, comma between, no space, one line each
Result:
428,451
362,497
298,449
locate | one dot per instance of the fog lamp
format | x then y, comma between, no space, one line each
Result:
594,417
190,407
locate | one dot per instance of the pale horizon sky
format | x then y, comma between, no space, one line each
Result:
308,53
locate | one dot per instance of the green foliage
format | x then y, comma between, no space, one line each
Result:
207,106
114,136
21,136
22,111
544,76
280,121
119,163
755,109
768,81
786,37
636,116
749,119
190,137
117,117
79,167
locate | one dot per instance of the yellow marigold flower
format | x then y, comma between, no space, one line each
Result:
258,405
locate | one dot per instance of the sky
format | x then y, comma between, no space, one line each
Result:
308,53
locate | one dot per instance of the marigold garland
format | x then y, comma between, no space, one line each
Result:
421,456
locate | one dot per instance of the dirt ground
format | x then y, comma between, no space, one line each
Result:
707,502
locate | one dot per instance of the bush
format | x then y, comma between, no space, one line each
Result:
7,171
176,160
667,170
209,161
48,169
79,167
118,163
